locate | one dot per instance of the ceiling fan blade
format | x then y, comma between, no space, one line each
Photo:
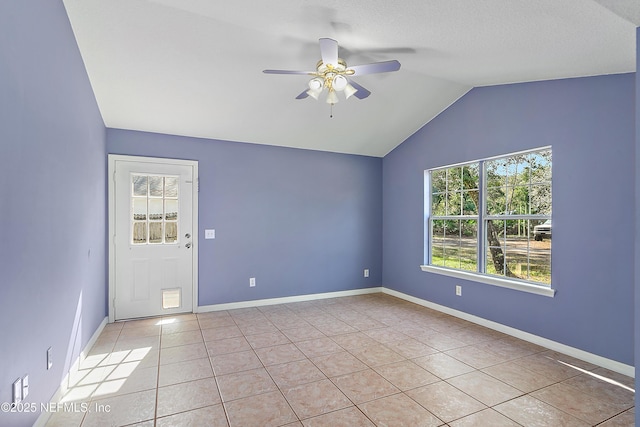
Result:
312,73
362,93
329,51
303,95
376,67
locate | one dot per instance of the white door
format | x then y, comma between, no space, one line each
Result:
152,219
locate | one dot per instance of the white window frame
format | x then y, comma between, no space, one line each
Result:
482,218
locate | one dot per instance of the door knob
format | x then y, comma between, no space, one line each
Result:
188,245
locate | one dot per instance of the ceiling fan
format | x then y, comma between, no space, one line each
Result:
333,74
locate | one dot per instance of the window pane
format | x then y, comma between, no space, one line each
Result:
454,179
471,176
540,261
139,232
170,232
470,199
155,209
155,186
171,210
496,200
454,203
540,164
140,209
170,186
139,185
155,232
438,204
540,199
439,181
437,242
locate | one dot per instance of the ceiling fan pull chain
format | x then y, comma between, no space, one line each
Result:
331,115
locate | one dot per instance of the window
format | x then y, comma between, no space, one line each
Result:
492,218
154,204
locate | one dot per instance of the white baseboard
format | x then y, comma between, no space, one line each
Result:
60,392
544,342
284,300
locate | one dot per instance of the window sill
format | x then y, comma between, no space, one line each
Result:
491,280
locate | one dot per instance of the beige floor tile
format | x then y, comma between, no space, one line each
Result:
484,388
411,348
246,383
177,327
348,417
579,404
519,376
279,354
121,410
235,362
303,333
337,364
209,322
184,371
443,365
210,416
264,410
127,378
291,374
145,343
531,412
487,417
337,327
626,419
356,340
227,345
399,411
267,339
385,335
181,338
406,375
604,386
221,332
187,396
319,347
363,386
476,357
377,355
445,401
549,365
139,332
312,399
441,341
262,327
183,353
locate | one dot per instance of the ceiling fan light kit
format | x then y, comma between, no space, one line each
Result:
332,74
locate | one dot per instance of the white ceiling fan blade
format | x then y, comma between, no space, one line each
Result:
311,73
329,51
362,93
376,67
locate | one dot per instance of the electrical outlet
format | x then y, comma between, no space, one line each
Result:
252,282
17,392
49,358
366,272
459,290
210,234
25,387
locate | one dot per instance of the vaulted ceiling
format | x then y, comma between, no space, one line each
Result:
194,67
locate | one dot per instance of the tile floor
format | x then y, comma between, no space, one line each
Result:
371,360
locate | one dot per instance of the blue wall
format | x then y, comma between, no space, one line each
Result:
589,122
299,221
52,201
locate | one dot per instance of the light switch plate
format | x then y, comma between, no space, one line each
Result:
209,234
25,387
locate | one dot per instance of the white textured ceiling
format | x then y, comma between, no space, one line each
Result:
194,67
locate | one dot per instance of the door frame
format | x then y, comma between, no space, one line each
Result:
111,202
